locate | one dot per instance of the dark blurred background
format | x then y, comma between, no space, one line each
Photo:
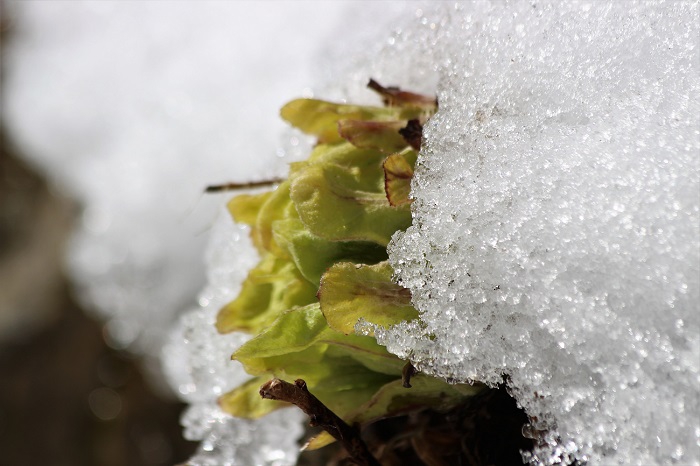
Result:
66,397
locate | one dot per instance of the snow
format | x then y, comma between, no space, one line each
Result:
198,364
556,234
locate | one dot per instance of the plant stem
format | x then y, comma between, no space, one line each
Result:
299,395
234,186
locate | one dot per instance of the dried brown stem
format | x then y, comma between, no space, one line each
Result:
234,186
299,395
413,133
393,96
406,374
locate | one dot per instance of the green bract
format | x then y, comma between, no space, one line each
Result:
322,237
350,291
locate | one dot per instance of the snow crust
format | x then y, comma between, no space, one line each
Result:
556,226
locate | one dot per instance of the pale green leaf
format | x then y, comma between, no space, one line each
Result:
349,292
320,118
398,173
271,288
305,329
277,206
394,399
313,255
245,400
318,441
383,136
342,371
332,208
245,208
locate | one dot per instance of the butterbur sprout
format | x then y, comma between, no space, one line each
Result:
322,237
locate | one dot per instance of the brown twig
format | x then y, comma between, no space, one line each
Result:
406,374
413,133
299,395
393,96
234,186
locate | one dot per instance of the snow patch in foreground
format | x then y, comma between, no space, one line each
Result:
198,364
556,222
